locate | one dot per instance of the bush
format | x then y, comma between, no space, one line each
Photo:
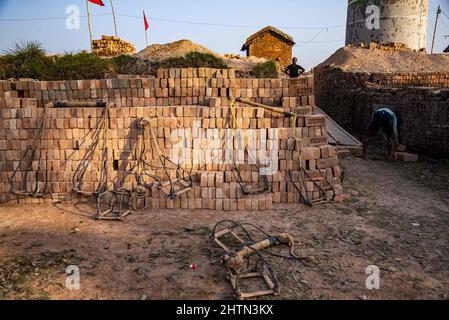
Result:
193,60
26,60
267,69
3,74
81,65
29,60
124,64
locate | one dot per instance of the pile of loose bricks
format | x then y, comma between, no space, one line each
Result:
109,46
389,47
177,101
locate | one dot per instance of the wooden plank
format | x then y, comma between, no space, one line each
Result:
338,135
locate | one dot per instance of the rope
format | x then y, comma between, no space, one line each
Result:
293,121
233,122
286,238
41,132
100,132
262,266
104,174
141,151
140,193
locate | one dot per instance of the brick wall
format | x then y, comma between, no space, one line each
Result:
423,125
170,102
171,87
423,117
271,47
331,79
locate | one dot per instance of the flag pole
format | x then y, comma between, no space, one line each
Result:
90,27
145,26
115,21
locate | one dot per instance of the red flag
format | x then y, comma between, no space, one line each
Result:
97,2
145,21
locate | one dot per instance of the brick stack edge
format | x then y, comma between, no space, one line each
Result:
175,99
419,99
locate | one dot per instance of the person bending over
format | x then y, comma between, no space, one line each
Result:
384,121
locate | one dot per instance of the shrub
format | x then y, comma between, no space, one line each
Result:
26,60
193,60
124,64
29,60
267,69
3,74
81,65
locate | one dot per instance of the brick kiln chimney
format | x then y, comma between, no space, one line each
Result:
403,21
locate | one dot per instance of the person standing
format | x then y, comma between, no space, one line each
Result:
294,70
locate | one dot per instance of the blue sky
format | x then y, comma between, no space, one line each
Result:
245,16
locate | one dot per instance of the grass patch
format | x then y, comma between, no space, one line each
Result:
28,277
81,65
30,60
201,231
267,69
193,60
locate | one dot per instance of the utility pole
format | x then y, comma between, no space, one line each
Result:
115,22
435,29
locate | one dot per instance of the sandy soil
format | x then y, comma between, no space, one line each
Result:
396,217
158,52
352,59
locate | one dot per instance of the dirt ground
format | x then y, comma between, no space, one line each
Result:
396,217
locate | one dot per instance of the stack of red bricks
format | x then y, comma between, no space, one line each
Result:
328,78
346,96
171,87
200,132
422,111
110,46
